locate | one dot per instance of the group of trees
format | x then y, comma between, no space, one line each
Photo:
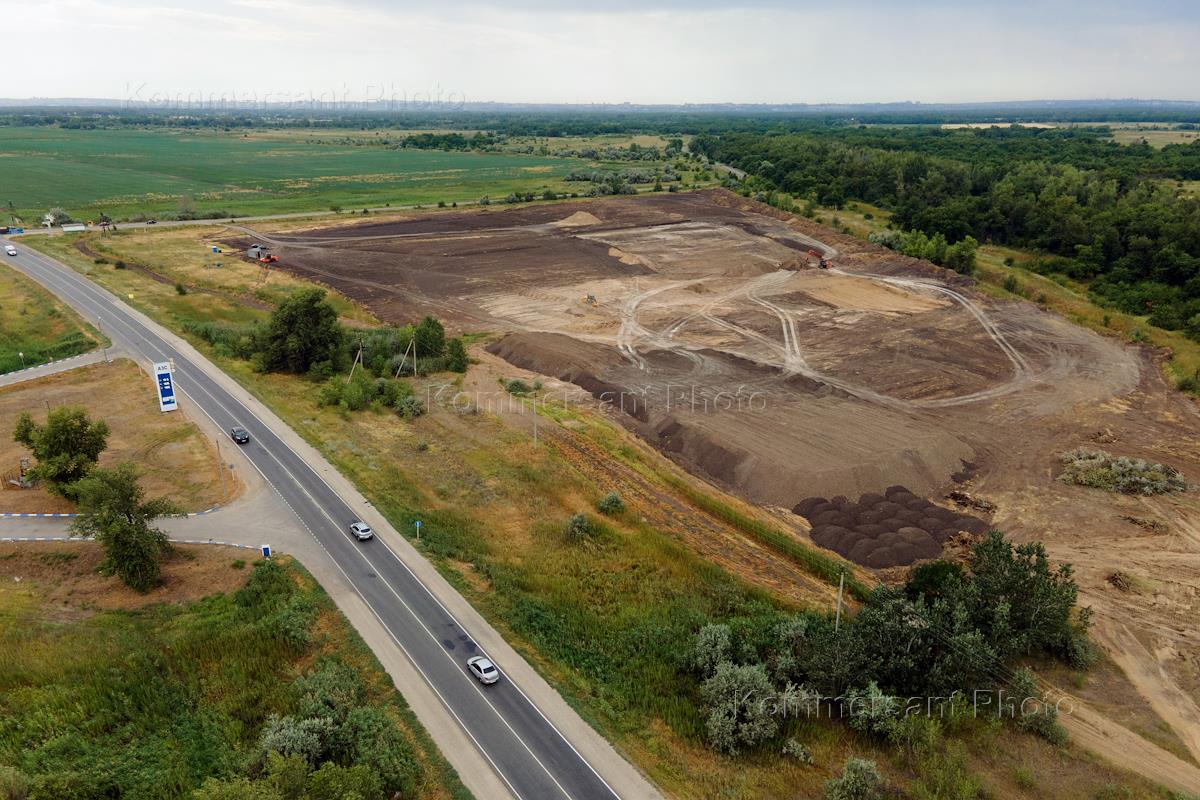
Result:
304,337
947,631
1110,214
112,505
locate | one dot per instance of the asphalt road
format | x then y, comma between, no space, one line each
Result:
526,750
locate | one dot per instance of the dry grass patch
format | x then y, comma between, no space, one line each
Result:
177,459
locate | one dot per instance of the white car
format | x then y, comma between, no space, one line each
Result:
10,250
361,530
483,669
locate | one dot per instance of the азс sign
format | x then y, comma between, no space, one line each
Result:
166,386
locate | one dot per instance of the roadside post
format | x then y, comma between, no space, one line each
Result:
266,551
418,525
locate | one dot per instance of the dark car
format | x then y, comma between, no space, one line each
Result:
239,435
151,222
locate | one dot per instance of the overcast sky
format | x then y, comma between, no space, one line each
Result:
657,51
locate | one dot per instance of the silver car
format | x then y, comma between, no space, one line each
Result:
361,530
483,669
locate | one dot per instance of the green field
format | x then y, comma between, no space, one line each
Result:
125,172
105,693
35,327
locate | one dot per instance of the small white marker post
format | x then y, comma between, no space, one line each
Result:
418,525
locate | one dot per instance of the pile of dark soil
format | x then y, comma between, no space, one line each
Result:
889,530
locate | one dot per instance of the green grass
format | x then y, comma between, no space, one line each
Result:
35,324
127,171
148,703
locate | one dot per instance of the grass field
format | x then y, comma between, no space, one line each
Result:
108,693
126,172
34,323
1155,136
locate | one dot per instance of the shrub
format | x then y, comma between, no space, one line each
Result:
578,526
871,710
738,712
240,788
180,289
859,781
517,387
409,407
1012,285
797,750
1033,715
714,646
1099,470
611,504
288,735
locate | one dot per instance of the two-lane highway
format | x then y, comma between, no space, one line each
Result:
529,753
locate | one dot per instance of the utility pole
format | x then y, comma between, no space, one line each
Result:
841,586
221,468
357,359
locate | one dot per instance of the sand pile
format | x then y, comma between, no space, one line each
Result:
889,530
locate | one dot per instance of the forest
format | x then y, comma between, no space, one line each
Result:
1114,216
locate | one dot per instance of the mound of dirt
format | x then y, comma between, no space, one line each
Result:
894,529
579,219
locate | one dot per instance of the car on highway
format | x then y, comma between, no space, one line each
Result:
361,530
151,222
483,669
239,434
10,250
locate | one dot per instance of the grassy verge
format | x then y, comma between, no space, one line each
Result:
35,327
149,701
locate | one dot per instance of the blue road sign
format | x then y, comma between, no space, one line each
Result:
266,551
166,386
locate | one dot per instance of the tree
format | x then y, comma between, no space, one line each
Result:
113,511
739,713
456,356
431,338
714,646
303,333
66,447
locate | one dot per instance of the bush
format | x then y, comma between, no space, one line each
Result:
180,289
1033,715
1099,470
578,526
859,781
517,387
739,716
1012,285
797,750
288,735
871,710
611,504
409,407
714,646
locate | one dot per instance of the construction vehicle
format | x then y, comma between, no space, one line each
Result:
826,263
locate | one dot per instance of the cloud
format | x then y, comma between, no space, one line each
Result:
664,51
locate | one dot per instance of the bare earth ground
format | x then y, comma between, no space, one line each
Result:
69,570
176,459
698,322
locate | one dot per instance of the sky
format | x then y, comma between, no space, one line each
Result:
656,51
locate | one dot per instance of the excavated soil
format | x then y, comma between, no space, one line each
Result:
893,529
